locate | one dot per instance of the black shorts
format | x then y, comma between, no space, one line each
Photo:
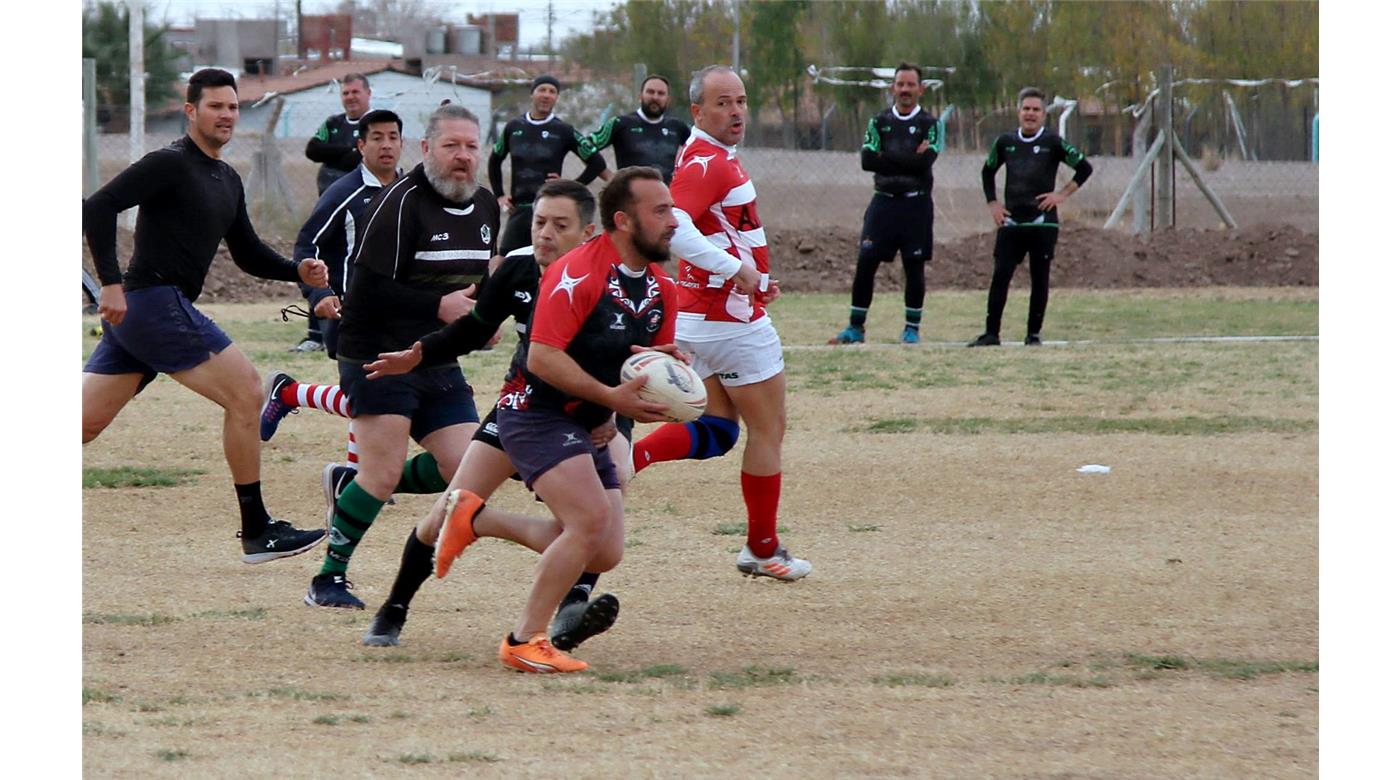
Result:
162,333
432,398
537,440
898,224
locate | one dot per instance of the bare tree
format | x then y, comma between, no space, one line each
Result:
388,18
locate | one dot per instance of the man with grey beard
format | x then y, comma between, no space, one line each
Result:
426,244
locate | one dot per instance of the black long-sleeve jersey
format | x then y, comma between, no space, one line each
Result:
1030,171
189,201
333,146
537,148
417,246
509,292
889,151
638,140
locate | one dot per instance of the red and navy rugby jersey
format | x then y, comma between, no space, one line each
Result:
594,308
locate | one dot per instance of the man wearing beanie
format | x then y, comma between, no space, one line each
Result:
536,143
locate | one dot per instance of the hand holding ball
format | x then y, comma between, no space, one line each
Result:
670,382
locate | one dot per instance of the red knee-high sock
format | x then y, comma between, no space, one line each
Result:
672,441
761,496
327,398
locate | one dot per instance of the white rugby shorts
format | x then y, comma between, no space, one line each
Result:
745,359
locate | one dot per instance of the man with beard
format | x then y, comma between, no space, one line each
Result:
646,137
536,143
901,145
1029,223
190,199
722,273
597,305
429,237
564,211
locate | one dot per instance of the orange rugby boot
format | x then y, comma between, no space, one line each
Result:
538,656
456,534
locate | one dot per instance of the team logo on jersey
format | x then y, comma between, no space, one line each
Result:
913,130
485,234
636,308
701,160
439,237
618,323
567,284
1035,149
544,134
664,130
654,321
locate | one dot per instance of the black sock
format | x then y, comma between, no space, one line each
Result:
581,589
513,641
250,506
414,569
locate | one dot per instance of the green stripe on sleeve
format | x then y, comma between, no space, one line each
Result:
872,137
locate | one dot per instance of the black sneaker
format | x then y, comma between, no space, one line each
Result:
279,540
334,478
580,620
1033,340
384,629
985,340
273,409
332,590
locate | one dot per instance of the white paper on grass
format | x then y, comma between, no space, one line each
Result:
1093,468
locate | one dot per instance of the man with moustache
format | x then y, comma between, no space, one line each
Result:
429,237
536,143
647,136
901,144
190,199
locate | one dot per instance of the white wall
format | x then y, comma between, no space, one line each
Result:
412,98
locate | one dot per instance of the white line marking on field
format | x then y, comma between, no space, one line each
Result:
1080,343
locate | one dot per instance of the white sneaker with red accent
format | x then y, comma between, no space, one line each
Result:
781,566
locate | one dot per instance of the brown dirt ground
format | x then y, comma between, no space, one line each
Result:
822,260
1002,590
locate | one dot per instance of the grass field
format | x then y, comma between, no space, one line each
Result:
978,607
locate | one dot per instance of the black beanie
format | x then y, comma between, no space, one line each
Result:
544,79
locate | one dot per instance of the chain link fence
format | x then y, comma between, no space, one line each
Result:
1254,146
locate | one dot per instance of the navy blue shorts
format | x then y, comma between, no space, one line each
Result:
898,224
432,398
489,434
537,440
162,333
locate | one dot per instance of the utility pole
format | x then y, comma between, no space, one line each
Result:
734,43
550,22
136,44
89,126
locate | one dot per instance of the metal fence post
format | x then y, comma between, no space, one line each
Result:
1166,215
89,126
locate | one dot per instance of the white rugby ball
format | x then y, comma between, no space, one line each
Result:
669,382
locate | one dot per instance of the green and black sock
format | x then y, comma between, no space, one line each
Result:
355,511
421,475
913,317
858,317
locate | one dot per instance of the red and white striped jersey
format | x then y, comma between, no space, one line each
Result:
717,208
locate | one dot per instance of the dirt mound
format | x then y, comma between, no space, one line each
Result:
1261,256
823,260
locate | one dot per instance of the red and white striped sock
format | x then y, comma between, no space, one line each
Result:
352,450
327,398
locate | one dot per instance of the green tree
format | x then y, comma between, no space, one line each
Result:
106,39
774,58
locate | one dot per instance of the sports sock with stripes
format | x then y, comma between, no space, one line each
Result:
858,316
251,510
327,398
913,317
421,475
415,567
352,448
761,495
355,511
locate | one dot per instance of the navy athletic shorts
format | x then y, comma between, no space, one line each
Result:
898,224
432,398
538,440
162,333
489,434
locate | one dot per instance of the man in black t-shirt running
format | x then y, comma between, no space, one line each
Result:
1029,222
536,144
190,199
